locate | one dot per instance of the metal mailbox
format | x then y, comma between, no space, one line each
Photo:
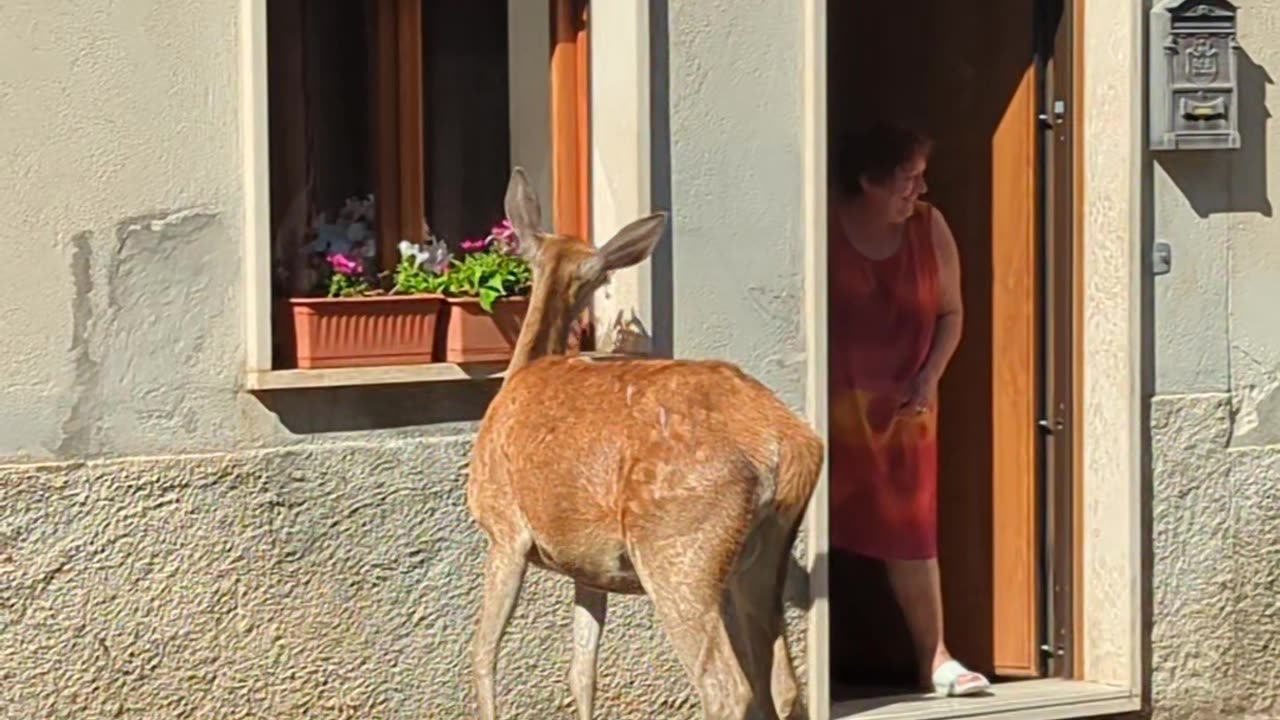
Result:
1193,80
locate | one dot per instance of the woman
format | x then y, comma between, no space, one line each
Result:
897,316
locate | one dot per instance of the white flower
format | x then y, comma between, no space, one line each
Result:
432,253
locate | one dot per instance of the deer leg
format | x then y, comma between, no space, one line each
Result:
756,595
589,607
701,643
503,573
687,604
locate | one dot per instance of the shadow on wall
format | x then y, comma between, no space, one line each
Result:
1235,181
333,410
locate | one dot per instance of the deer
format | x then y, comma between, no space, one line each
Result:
684,480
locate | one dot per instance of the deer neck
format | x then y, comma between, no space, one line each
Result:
545,330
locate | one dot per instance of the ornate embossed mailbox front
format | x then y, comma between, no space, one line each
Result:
1194,82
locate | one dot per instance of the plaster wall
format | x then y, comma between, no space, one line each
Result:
737,175
1215,326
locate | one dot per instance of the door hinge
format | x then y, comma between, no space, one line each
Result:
1049,426
1049,119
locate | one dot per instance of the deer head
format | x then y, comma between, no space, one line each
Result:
566,271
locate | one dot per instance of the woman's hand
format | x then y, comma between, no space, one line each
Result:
920,395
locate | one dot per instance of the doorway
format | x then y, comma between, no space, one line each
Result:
978,79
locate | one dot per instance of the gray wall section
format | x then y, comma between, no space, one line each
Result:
334,581
1215,314
326,581
1216,567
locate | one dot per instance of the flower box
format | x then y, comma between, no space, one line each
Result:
474,335
364,331
352,307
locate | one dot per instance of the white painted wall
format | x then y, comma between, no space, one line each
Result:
620,164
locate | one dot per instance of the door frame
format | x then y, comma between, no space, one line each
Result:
817,534
1059,113
1062,169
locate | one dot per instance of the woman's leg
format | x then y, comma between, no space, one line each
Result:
918,588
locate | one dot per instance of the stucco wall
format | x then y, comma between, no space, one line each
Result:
171,546
1215,419
737,175
1216,565
119,141
325,581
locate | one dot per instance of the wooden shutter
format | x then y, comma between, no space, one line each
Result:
570,118
571,133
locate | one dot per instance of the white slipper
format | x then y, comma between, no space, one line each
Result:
947,680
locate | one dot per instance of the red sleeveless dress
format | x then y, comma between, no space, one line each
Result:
884,467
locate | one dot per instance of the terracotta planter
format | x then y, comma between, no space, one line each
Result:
477,336
364,331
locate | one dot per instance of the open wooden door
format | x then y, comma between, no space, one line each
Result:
1014,315
965,73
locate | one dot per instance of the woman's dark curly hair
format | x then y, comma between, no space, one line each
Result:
874,154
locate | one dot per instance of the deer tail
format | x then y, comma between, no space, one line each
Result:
799,467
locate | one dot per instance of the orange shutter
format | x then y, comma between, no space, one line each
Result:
570,118
571,131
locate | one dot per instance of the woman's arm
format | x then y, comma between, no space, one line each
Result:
922,393
946,335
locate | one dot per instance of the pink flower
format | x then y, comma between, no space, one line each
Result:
471,245
504,236
345,265
503,230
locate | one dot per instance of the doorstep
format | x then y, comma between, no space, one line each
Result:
1025,699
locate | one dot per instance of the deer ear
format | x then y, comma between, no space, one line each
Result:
523,210
632,245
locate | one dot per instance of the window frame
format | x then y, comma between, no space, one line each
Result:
568,155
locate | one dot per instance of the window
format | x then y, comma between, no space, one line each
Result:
400,120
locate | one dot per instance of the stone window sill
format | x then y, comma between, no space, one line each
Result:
270,380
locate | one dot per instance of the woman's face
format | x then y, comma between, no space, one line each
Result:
897,196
